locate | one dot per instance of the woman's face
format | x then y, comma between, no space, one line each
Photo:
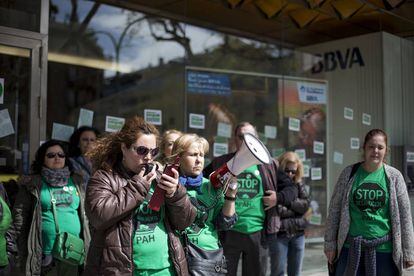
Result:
375,150
291,169
54,158
142,151
169,143
86,141
192,160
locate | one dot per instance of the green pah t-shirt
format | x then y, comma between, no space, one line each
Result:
205,234
5,222
369,207
249,204
67,204
150,241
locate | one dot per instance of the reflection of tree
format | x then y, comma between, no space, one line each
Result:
171,31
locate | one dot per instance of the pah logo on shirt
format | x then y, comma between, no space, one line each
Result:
369,197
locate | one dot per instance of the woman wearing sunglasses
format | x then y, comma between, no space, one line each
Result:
215,211
128,238
289,246
34,225
80,143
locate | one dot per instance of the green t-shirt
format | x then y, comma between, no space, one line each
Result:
205,234
150,241
369,207
249,204
5,222
67,204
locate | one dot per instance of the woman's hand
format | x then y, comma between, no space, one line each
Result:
330,255
169,184
145,180
232,188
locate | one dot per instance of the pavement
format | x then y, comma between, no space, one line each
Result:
314,261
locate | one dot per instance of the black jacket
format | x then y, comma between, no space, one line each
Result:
292,214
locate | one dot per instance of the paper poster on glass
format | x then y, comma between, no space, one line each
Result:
220,149
316,173
366,119
6,126
62,132
270,132
338,157
354,143
348,113
85,117
153,116
301,153
197,121
294,124
113,124
224,130
318,147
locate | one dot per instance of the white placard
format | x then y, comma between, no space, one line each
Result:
410,156
85,117
316,219
318,147
301,153
223,130
1,90
309,92
114,124
348,113
153,116
306,170
62,132
270,132
6,126
197,121
354,143
366,119
316,173
220,149
294,124
338,157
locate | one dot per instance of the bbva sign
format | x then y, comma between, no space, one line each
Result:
330,61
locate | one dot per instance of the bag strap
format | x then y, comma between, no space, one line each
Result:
53,201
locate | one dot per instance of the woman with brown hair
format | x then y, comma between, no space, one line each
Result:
289,246
369,229
127,237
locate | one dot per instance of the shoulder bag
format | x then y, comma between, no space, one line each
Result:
67,248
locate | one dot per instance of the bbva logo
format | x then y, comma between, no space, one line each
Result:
329,61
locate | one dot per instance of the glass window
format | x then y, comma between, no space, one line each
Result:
20,14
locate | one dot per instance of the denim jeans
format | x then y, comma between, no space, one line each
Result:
286,250
385,264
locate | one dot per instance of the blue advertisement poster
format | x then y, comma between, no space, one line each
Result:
208,83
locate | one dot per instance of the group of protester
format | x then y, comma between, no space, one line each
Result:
87,210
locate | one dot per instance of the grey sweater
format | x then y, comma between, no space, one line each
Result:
338,221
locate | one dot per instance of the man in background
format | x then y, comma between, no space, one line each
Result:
260,187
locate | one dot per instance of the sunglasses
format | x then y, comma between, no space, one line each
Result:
287,171
51,155
141,150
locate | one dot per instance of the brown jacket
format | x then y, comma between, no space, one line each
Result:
110,203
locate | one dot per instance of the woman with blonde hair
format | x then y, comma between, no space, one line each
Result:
167,143
129,238
289,246
215,210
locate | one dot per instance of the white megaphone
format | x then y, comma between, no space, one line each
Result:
252,152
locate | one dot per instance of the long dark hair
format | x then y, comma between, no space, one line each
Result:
41,152
74,150
107,151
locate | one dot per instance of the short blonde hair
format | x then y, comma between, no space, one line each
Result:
292,157
185,141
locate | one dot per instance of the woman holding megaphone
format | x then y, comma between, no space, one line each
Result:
215,208
127,237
